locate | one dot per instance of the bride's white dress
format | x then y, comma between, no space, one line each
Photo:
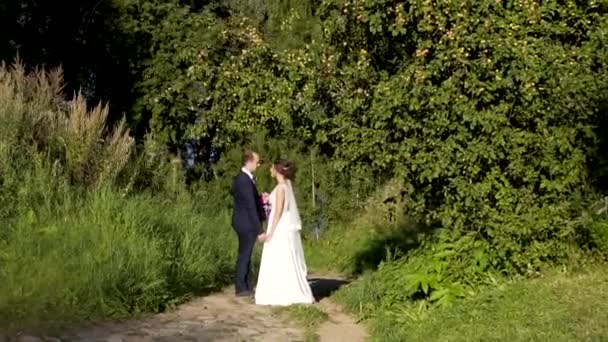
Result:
282,276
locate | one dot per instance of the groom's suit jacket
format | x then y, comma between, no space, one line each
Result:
248,212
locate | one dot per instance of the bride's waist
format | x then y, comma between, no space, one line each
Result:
285,224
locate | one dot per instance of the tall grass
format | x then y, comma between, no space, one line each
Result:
109,256
37,121
75,242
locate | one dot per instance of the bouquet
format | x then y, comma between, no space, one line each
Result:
266,204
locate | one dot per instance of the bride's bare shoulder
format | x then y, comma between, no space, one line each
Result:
280,187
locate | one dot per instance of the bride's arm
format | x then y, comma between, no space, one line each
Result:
280,203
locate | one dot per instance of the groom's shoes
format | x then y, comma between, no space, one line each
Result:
244,294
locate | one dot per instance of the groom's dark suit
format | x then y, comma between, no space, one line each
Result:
247,217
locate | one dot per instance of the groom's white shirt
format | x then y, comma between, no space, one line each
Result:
248,174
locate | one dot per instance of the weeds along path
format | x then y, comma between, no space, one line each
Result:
217,317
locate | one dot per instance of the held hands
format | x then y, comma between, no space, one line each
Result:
267,237
264,237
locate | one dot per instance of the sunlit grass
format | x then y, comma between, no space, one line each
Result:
308,316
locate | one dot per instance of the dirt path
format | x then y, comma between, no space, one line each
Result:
217,317
340,327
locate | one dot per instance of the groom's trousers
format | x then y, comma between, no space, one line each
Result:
243,263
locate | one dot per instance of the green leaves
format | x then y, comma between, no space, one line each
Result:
490,135
486,108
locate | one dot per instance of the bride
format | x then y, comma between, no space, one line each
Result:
282,276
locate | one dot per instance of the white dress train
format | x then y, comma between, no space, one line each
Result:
282,276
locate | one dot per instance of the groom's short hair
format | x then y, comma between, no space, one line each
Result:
247,156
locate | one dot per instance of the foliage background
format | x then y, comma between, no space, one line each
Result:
443,144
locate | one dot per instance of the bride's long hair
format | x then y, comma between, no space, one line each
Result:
288,170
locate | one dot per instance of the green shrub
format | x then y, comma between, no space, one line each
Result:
599,233
596,220
479,118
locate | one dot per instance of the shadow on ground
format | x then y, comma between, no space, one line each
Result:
324,287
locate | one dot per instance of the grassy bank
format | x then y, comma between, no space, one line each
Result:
109,256
556,307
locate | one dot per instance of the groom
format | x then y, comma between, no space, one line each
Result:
247,217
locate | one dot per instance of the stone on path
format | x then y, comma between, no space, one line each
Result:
27,338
